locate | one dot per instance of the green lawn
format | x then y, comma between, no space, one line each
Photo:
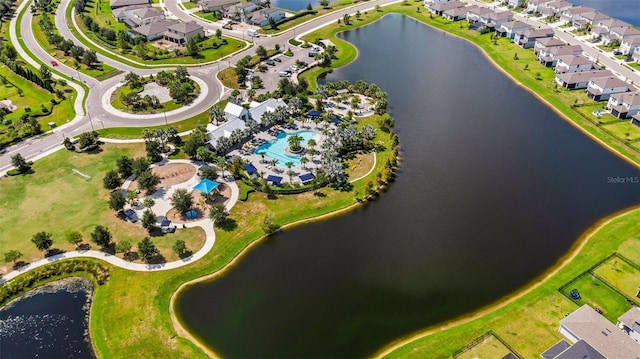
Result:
101,13
55,200
205,15
165,106
620,274
599,295
136,132
189,5
621,128
489,347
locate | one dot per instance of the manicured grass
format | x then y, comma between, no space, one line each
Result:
165,106
205,15
333,7
136,132
599,295
620,274
189,5
101,13
55,200
229,78
490,347
623,130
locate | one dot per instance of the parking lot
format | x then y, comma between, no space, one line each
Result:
272,70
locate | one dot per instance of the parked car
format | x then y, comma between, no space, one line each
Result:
284,74
277,59
270,62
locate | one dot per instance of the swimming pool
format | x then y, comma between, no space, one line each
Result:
276,148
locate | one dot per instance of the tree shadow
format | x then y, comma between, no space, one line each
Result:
185,254
157,259
131,256
110,248
83,247
228,225
19,264
319,194
53,251
272,196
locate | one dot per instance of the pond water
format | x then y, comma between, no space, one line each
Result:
48,322
276,149
493,189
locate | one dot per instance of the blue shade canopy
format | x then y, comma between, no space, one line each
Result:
274,179
306,177
313,113
336,119
250,168
206,186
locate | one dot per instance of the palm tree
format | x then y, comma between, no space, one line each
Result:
289,164
304,160
273,162
216,114
262,153
294,143
291,173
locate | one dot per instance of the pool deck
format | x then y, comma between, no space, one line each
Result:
247,151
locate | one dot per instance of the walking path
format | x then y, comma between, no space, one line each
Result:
161,206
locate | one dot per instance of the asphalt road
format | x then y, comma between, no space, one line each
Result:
100,116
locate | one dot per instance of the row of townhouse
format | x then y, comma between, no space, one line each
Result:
573,70
250,12
144,20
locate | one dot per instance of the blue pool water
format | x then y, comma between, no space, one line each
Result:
276,148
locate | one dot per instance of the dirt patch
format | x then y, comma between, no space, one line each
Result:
170,174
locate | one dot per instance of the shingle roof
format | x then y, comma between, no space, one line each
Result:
185,27
585,76
572,60
555,350
121,3
609,81
154,27
586,324
550,42
632,315
147,12
629,98
582,350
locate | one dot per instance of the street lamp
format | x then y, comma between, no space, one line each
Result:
90,121
165,117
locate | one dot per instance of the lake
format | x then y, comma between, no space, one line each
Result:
625,10
493,189
48,322
295,5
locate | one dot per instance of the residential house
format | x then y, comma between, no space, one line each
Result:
233,111
573,63
152,31
625,105
622,34
579,80
456,14
573,13
515,3
121,13
476,14
224,130
239,11
496,19
635,120
555,350
123,3
142,16
511,28
549,57
555,8
216,5
610,24
428,3
589,327
590,19
629,45
536,5
262,17
440,8
601,88
636,55
181,32
545,43
527,39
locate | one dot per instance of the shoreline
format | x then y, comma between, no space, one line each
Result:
503,302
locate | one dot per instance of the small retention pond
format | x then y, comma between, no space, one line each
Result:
493,189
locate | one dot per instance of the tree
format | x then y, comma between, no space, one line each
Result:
74,237
179,247
117,200
12,256
139,165
148,202
203,154
125,166
20,163
304,160
111,180
133,80
123,247
148,181
218,33
42,240
324,3
346,19
218,213
45,73
268,225
182,200
309,7
216,114
209,172
101,236
89,57
192,47
146,249
261,52
294,142
154,150
272,23
149,220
